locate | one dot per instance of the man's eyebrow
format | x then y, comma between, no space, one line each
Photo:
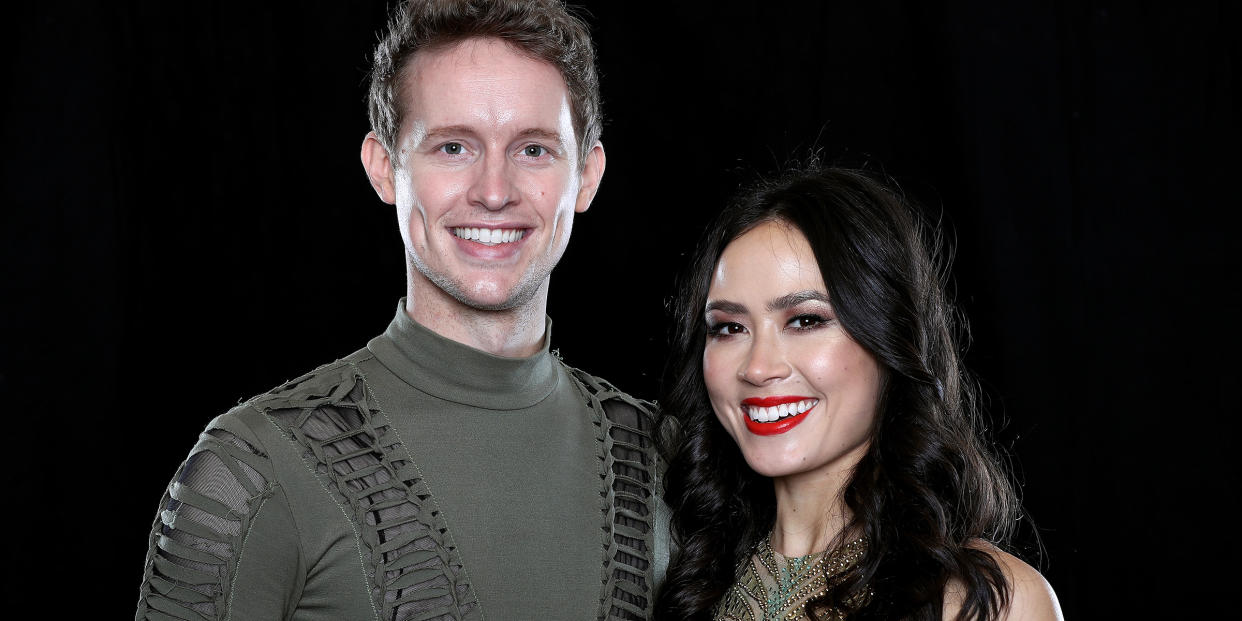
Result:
439,133
790,300
725,306
542,134
448,130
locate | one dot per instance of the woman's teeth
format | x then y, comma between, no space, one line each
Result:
776,412
490,237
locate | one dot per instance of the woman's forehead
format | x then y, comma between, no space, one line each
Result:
770,260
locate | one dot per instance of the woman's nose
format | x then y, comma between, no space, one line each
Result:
765,362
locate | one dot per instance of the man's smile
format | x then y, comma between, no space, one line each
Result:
489,237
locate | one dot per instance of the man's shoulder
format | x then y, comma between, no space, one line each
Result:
326,384
638,412
605,390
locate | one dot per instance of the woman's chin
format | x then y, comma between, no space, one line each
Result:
774,466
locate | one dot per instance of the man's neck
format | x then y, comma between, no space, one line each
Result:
513,333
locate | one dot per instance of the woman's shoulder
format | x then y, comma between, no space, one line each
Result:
1031,598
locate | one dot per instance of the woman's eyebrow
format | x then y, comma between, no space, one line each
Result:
725,306
790,300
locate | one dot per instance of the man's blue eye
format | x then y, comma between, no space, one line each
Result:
535,150
452,148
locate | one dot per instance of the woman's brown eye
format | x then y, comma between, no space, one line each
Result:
804,322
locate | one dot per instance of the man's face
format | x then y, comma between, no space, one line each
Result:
486,177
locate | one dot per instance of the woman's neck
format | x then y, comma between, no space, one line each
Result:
810,511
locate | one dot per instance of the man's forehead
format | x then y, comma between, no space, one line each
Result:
481,60
485,84
476,50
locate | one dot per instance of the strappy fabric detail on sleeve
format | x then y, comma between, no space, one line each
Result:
196,540
629,473
414,570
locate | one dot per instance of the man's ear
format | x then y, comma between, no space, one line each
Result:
379,168
592,173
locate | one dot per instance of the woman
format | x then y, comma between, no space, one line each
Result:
829,464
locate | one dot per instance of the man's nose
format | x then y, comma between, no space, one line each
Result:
492,187
765,361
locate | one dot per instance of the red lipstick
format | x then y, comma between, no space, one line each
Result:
777,426
767,402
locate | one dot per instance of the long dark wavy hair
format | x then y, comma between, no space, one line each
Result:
928,489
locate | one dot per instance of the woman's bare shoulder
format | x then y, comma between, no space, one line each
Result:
1031,597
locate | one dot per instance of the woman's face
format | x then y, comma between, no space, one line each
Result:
786,381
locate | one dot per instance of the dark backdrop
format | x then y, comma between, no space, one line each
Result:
186,224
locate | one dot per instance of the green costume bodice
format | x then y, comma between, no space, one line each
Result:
416,479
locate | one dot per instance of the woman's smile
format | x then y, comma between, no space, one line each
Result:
768,416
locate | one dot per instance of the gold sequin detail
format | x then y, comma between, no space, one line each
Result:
770,587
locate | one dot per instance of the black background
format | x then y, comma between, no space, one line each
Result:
186,223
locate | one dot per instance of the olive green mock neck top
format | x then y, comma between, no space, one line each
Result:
417,478
460,374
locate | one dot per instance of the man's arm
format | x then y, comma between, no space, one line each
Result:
224,544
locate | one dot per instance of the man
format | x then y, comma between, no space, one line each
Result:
453,468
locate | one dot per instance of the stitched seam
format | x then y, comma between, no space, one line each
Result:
448,532
607,493
241,552
293,515
366,579
595,388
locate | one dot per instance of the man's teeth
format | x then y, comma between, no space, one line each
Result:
490,237
767,415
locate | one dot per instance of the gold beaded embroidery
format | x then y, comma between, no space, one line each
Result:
771,587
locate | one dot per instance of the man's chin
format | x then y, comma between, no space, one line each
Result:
484,290
488,305
493,298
